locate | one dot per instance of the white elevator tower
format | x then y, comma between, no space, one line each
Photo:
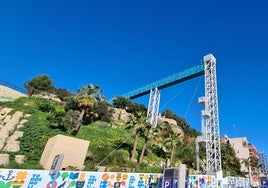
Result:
153,106
211,130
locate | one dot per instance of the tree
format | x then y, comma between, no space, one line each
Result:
96,91
182,123
86,102
170,139
137,108
103,111
122,102
63,93
137,124
251,164
63,120
247,164
187,155
229,160
174,141
146,134
41,83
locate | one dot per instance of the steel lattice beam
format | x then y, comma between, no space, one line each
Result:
166,82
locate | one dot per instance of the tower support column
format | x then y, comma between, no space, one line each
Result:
153,107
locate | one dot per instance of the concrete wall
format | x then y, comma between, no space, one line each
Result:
240,146
73,149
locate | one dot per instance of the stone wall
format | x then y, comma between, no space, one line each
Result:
9,133
7,94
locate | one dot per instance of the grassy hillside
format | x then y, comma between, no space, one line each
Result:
111,144
108,146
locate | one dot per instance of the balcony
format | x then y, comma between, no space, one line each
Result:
252,150
202,100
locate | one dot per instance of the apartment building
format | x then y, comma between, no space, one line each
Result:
245,151
263,168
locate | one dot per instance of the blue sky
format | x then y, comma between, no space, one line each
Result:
122,45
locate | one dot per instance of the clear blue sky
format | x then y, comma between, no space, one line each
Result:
121,45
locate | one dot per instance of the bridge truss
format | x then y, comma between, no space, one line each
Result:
210,116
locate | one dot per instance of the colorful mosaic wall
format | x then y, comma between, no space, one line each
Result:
11,178
204,181
14,178
238,182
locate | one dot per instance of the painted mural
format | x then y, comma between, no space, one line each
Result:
238,181
12,178
206,181
19,178
198,181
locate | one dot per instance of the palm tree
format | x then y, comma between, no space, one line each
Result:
174,142
137,124
96,92
187,155
86,102
146,134
247,163
159,135
169,139
254,165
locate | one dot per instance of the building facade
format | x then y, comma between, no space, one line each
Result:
248,155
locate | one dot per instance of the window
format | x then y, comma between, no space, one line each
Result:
244,144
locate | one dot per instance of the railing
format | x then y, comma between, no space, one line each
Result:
3,83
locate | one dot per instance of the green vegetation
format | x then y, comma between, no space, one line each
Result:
133,144
230,163
36,130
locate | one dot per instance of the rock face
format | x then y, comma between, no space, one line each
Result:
48,96
173,123
19,158
9,134
4,159
8,125
120,114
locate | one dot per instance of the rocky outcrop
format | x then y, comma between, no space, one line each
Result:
12,145
173,123
48,96
120,114
9,135
19,158
8,126
4,159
